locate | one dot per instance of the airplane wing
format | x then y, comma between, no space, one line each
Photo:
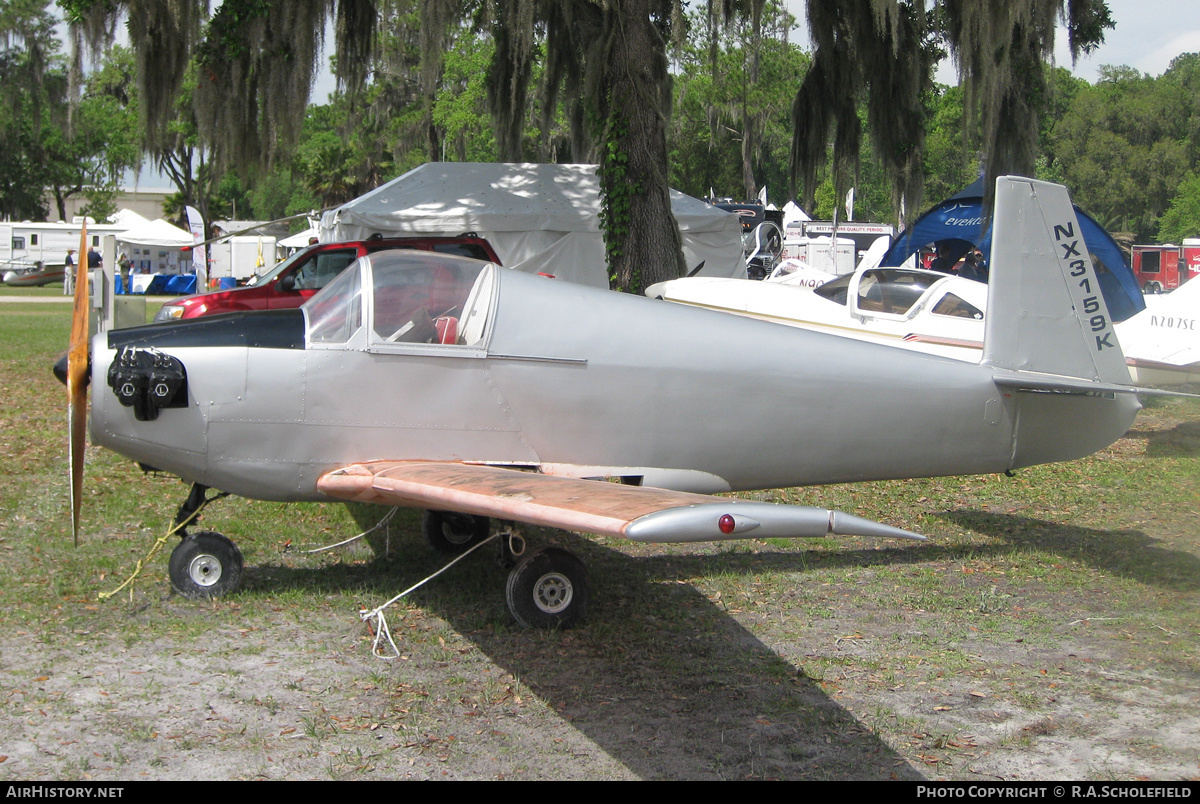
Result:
640,513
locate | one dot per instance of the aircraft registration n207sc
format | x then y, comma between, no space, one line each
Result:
425,380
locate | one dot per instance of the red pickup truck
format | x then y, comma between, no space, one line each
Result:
293,281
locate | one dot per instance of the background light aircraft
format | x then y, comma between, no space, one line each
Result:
35,275
1164,339
910,308
445,383
933,312
960,223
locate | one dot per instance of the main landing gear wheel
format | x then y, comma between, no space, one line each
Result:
548,589
451,533
205,565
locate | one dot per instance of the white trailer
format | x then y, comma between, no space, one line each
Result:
241,256
27,243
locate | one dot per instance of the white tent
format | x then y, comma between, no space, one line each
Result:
154,247
298,240
127,218
537,217
792,213
156,233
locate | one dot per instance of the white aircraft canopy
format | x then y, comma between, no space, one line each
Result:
410,297
895,292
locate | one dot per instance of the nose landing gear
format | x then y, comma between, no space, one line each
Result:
203,565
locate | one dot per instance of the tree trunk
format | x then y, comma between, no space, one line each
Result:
640,231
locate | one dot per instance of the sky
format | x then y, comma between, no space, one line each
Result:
1149,34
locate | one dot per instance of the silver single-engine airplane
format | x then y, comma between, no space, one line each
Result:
427,380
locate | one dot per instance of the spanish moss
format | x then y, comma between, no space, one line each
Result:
880,51
256,68
513,31
162,34
1000,49
355,39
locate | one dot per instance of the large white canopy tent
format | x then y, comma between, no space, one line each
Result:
156,233
298,240
155,247
127,218
538,218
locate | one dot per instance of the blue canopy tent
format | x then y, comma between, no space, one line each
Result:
958,223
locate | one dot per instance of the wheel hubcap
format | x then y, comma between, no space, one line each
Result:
205,570
553,592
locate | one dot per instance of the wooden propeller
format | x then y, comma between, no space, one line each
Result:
77,380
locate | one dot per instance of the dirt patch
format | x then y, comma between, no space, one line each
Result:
280,700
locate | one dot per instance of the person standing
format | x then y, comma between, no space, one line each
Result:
943,262
124,263
69,273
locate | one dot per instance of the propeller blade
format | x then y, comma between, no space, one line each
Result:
77,371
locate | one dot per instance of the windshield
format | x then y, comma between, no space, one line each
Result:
835,290
893,291
335,313
279,268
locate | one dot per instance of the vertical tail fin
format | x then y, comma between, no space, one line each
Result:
1046,313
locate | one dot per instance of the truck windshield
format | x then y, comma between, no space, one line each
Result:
279,268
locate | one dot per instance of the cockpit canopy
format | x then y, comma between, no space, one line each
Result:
401,298
897,291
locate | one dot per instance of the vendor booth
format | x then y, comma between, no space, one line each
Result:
158,251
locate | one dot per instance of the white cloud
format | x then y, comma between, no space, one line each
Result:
1157,61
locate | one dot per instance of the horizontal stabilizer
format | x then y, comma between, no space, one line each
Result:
639,513
1036,381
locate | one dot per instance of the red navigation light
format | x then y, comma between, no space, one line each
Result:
726,524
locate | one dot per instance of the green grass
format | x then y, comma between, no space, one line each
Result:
54,289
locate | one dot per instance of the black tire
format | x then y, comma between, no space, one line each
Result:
205,565
548,589
452,533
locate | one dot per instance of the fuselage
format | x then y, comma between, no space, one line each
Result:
582,382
